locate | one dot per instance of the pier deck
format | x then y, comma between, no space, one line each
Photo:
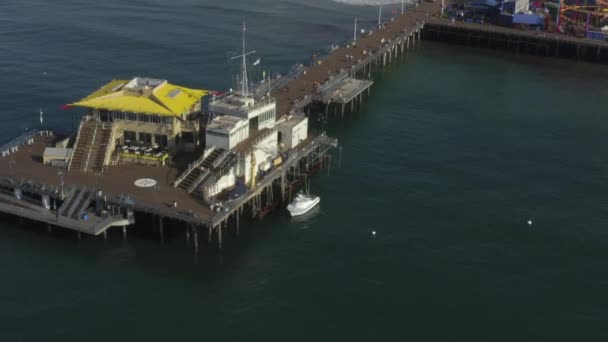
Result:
26,165
343,90
337,62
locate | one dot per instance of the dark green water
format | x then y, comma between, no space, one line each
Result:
455,150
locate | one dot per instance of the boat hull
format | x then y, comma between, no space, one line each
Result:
301,211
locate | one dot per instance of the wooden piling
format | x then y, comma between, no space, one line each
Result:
238,215
219,235
161,230
195,232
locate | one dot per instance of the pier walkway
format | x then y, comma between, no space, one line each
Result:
345,59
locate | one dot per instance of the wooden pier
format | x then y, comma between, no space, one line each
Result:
530,42
339,80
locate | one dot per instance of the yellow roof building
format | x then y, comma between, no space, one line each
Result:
144,95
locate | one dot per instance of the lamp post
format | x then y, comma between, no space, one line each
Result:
61,182
380,13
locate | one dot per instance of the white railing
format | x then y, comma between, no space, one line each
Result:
110,147
24,139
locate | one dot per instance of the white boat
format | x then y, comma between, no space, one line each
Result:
302,203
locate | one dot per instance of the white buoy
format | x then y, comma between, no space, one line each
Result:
373,233
529,222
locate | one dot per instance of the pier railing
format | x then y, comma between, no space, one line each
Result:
23,139
110,148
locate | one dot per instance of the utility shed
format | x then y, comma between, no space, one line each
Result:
293,130
227,131
56,156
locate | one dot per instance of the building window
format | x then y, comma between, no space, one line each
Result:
146,138
130,136
161,140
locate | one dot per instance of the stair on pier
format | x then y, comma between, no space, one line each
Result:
100,146
66,202
197,175
90,150
82,205
69,203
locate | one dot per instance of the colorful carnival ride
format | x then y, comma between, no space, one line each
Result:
577,17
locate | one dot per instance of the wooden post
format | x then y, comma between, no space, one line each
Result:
161,230
238,218
188,228
195,228
283,185
209,233
105,234
124,232
219,235
343,110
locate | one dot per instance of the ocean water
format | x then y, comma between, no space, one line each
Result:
454,151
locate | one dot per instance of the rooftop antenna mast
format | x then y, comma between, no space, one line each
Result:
244,80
